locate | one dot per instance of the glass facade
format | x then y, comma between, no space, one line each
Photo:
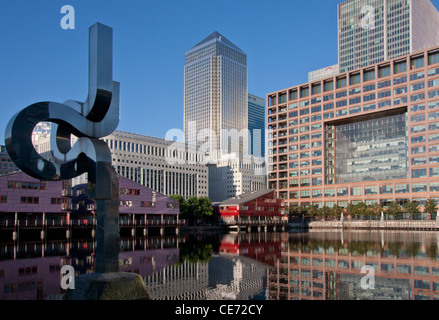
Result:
216,96
372,31
256,125
382,149
372,150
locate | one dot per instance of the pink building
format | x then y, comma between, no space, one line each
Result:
28,203
370,134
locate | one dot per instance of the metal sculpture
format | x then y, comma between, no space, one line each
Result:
97,117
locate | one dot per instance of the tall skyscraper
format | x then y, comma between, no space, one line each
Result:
256,125
372,31
215,97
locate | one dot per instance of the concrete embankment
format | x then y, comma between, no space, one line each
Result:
369,225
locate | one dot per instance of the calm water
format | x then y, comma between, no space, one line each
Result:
259,266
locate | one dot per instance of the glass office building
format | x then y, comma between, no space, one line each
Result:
216,97
256,125
371,135
372,31
369,150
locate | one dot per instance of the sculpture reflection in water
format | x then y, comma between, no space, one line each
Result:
95,118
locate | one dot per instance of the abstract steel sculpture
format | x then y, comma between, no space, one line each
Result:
97,117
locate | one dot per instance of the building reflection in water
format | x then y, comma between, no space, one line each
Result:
235,269
31,271
274,266
327,266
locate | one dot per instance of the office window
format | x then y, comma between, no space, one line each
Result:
329,193
317,193
419,187
356,191
317,181
316,89
305,182
418,161
354,79
341,83
402,188
293,95
433,83
372,190
417,107
386,189
416,63
400,67
369,75
417,150
384,71
417,76
434,172
400,80
433,58
419,173
304,92
328,86
342,192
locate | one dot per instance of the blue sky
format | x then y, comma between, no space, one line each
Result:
39,61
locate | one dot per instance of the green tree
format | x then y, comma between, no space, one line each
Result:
431,208
313,211
183,205
411,208
205,209
199,208
350,210
374,210
294,212
324,212
393,209
360,209
336,211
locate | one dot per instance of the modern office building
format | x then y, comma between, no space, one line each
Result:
164,166
216,97
372,31
138,205
236,175
6,164
218,113
41,138
369,135
256,125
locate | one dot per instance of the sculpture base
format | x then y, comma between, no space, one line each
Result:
108,286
